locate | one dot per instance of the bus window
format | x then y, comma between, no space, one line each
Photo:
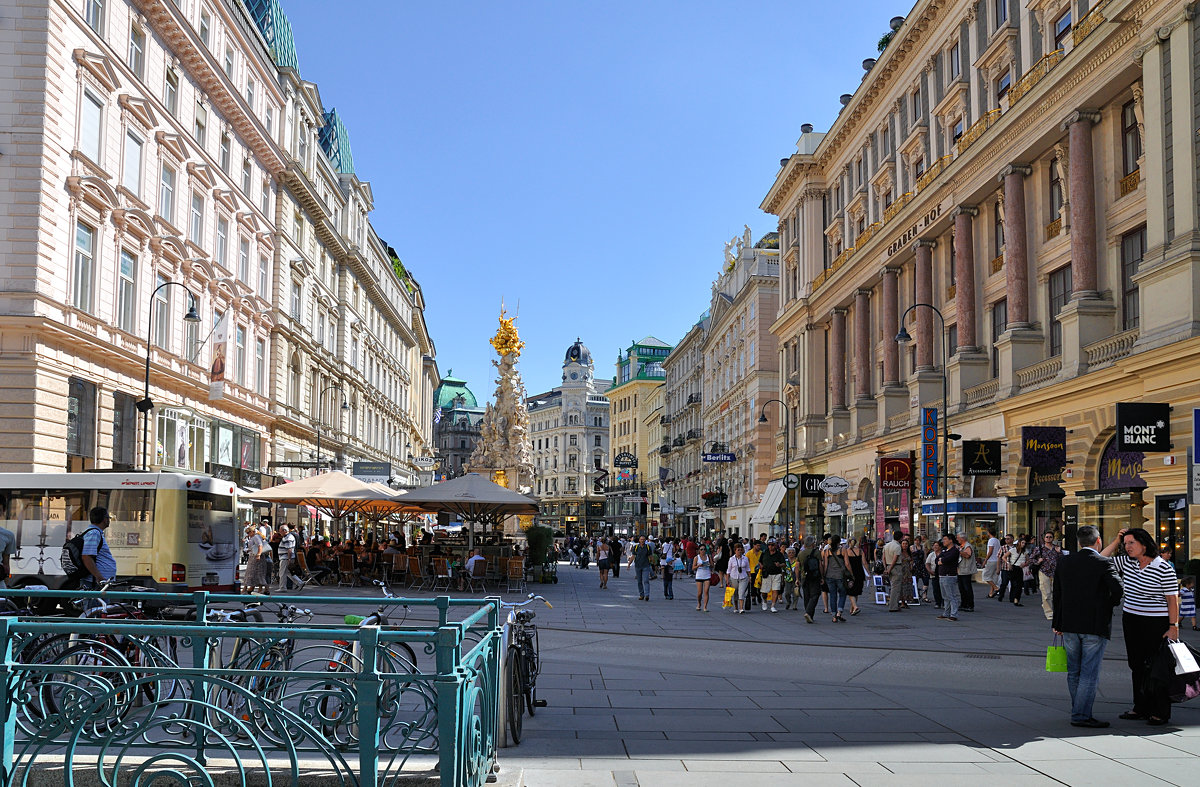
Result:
41,522
132,515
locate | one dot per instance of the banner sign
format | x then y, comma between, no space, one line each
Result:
216,372
719,457
1121,469
625,459
810,485
1144,426
981,457
1043,446
1195,433
372,472
896,473
1193,479
929,451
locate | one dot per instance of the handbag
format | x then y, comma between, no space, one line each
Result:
730,592
1056,655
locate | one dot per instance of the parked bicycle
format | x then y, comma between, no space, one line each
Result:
524,665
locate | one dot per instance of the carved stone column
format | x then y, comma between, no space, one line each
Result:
1083,203
964,275
924,316
837,359
893,399
1016,247
862,344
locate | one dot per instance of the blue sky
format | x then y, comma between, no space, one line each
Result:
586,161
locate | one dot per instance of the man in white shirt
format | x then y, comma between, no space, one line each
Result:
893,569
287,553
991,564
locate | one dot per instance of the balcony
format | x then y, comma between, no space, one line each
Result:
666,419
1130,182
976,130
1033,76
693,399
931,174
890,211
1039,373
665,448
998,263
1088,24
693,434
1054,228
678,441
983,393
1111,349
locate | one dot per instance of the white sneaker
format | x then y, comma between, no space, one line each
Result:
773,609
764,606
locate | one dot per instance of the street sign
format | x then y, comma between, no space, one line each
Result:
719,457
791,481
834,485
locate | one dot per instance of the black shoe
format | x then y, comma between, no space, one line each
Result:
1092,723
1155,722
1132,716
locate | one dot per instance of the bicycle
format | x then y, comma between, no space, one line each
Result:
524,665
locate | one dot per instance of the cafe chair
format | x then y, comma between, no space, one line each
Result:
347,573
418,574
442,578
397,569
516,575
477,579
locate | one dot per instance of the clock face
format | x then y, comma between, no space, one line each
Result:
574,375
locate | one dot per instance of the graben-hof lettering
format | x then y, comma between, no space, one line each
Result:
911,233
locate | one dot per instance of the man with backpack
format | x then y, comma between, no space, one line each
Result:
96,559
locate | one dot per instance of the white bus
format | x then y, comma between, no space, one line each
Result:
171,531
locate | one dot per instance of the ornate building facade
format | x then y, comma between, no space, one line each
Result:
683,430
177,161
639,370
1029,169
569,430
457,416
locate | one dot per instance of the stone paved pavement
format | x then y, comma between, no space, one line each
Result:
656,693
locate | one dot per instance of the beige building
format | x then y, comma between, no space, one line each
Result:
683,434
740,373
639,370
1030,170
170,157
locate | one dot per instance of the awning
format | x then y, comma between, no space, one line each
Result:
772,497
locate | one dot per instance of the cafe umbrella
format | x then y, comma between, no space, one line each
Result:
472,498
334,494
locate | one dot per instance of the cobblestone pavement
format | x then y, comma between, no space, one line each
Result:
656,693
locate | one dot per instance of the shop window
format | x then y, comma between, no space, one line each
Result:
181,440
81,418
124,432
1059,287
1133,247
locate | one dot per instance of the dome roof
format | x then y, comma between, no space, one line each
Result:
578,353
450,389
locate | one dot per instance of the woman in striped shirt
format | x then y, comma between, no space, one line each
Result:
1150,607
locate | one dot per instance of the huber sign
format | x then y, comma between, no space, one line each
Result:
1143,426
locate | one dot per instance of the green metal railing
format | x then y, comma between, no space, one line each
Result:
136,700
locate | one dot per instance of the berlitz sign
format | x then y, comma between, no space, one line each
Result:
911,233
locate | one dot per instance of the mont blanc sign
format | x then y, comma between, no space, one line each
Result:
1143,426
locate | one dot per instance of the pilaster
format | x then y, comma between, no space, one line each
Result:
889,403
1084,321
1016,349
967,369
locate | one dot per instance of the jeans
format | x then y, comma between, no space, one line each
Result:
837,595
668,585
643,580
966,591
1084,655
950,596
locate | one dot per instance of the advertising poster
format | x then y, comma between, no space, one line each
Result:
216,372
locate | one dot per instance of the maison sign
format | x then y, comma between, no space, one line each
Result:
910,234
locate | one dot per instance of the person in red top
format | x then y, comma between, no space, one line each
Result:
690,548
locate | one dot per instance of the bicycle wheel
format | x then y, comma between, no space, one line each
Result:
513,691
528,682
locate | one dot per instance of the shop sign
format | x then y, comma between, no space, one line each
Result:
625,459
981,457
727,456
372,472
1043,446
1121,469
810,484
834,485
1194,479
859,506
833,509
1195,433
929,452
962,507
1046,482
1144,426
895,473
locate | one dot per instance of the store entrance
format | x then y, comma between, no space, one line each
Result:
1171,528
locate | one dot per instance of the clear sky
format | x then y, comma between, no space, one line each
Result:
585,161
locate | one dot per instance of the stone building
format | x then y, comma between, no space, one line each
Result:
569,430
1030,170
167,156
638,371
457,416
683,433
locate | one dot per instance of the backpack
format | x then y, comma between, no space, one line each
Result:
71,559
812,564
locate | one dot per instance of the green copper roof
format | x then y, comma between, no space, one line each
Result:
275,27
450,388
335,141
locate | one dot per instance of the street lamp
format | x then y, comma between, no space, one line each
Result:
146,404
904,338
320,414
787,441
716,446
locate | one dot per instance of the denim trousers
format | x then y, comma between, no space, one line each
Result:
1084,655
668,583
643,579
837,595
950,596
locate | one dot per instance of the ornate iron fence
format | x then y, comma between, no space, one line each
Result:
140,700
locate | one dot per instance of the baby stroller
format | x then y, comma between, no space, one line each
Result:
584,556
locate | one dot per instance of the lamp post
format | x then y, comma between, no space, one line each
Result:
903,338
146,404
787,442
321,410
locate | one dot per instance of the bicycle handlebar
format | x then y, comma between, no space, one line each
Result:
518,604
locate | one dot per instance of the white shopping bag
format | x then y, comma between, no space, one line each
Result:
1185,660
